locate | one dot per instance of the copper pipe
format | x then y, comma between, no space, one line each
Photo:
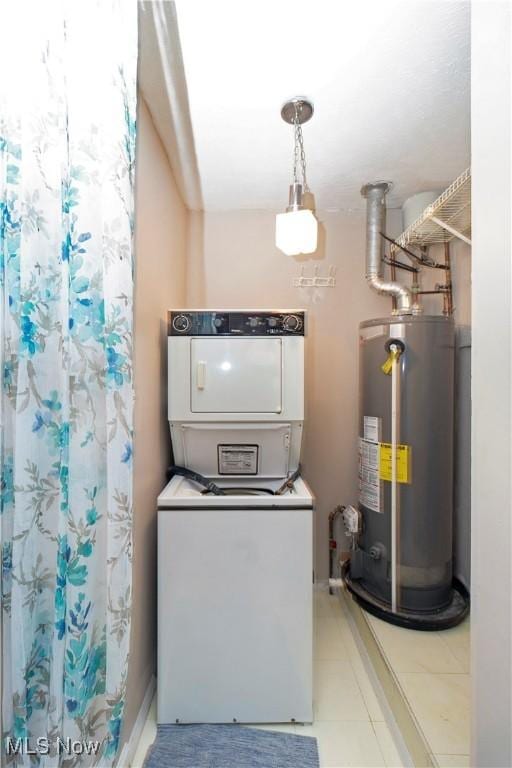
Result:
399,264
393,278
442,290
333,544
448,293
411,255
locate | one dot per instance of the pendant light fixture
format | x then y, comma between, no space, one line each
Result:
297,229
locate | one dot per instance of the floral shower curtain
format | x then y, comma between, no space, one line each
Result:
67,144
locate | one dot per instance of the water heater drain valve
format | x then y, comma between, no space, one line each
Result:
352,520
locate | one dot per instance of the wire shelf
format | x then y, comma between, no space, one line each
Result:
447,217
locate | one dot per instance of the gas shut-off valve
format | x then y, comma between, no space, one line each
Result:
352,520
352,523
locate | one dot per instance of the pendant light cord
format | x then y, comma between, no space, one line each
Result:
299,155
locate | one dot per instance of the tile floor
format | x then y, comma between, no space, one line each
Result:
349,722
432,669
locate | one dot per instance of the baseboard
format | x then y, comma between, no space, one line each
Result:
128,751
408,728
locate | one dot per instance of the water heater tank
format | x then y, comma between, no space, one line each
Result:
424,466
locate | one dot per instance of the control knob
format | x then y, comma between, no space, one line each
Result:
292,323
181,323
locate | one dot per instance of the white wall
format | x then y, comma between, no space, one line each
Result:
491,379
160,255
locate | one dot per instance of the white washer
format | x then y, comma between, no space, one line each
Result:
235,608
235,572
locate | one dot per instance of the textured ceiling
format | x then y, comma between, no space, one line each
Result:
389,81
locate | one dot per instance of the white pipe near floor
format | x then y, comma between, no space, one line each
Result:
394,511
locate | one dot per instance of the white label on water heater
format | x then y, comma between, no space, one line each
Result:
372,428
370,486
369,454
369,497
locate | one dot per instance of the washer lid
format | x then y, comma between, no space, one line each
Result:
181,492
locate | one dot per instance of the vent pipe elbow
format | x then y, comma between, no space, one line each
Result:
375,195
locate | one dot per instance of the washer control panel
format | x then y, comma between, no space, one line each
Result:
232,323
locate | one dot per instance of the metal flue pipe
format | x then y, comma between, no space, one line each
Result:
375,215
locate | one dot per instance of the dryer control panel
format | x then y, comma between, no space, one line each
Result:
234,323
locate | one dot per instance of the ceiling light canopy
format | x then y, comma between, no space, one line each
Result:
297,229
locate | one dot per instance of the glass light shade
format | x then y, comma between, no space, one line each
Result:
296,232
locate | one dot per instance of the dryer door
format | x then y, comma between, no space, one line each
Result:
236,375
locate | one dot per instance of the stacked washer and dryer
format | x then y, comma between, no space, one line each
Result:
235,539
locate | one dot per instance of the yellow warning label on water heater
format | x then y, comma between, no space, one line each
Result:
403,462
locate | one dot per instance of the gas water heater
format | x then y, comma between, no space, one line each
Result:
401,564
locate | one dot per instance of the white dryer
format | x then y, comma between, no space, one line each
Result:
236,378
235,571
